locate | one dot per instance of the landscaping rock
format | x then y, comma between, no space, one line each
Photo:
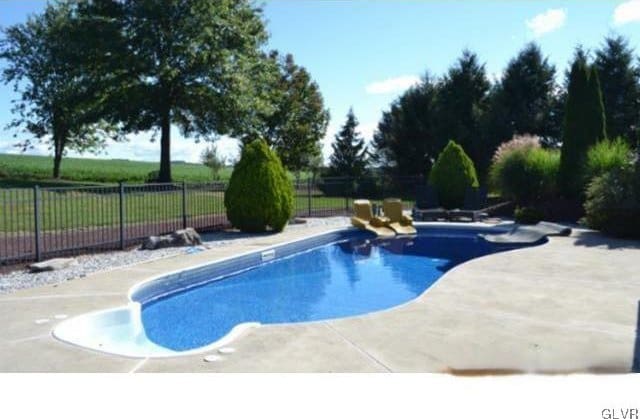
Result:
52,264
185,237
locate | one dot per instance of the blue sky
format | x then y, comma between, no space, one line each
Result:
365,53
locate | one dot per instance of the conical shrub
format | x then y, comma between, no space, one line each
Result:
259,194
451,175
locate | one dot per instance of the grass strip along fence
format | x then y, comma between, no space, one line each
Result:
41,222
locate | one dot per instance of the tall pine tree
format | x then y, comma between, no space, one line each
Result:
349,156
405,142
462,100
584,125
523,101
620,82
596,120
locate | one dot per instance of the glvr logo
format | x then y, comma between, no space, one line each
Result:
620,414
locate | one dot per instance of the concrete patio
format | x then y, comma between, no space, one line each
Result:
571,305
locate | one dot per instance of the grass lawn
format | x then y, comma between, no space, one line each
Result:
94,199
94,207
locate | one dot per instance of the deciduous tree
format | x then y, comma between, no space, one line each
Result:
194,64
50,63
299,121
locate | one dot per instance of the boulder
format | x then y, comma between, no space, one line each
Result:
54,264
184,237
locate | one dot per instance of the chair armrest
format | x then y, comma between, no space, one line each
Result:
380,221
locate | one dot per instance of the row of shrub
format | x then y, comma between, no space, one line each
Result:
528,174
260,195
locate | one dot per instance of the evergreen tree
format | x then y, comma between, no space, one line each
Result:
462,101
584,125
452,174
523,101
596,121
620,83
405,141
560,102
349,156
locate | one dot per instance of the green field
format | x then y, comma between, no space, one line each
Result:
18,167
19,171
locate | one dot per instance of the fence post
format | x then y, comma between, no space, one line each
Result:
36,221
184,204
122,220
309,196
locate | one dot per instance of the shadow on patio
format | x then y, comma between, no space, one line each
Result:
595,239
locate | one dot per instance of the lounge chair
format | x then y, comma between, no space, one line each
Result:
475,199
528,234
398,222
363,218
427,207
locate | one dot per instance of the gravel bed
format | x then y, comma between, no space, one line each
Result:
88,264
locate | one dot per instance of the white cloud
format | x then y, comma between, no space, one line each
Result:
139,147
395,84
8,146
626,12
547,22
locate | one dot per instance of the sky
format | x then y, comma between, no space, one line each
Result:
365,53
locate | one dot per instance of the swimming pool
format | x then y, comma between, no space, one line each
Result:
334,275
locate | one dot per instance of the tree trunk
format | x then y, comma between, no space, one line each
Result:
57,159
59,140
165,149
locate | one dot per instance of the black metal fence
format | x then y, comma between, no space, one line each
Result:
42,222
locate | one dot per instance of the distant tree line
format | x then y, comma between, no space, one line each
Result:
87,72
464,105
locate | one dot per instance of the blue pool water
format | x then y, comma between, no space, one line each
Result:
347,278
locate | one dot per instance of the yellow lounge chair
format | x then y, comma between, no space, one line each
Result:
398,222
363,218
